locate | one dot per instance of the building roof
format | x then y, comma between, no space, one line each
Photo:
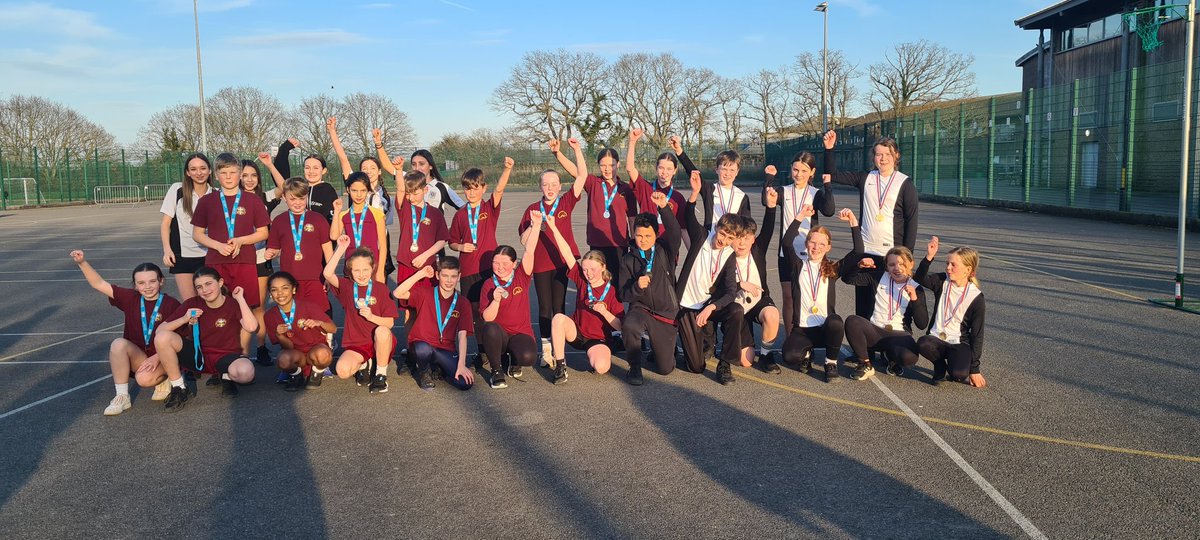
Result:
1032,53
1068,13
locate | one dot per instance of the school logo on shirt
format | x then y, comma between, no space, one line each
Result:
517,291
562,214
483,216
220,323
371,301
241,211
454,314
158,318
308,227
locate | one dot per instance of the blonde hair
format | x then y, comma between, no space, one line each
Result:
597,256
903,256
970,258
829,268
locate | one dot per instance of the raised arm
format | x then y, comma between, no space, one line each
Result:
331,127
677,146
823,201
630,155
845,178
560,241
555,146
381,153
527,258
404,289
93,277
502,183
580,169
932,282
331,264
281,157
265,158
672,236
767,228
248,320
768,181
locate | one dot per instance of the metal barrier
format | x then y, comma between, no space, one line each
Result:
154,192
117,194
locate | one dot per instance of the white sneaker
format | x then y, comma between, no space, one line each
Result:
161,391
118,405
547,358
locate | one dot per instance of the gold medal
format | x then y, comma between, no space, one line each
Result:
879,217
413,248
889,327
815,310
298,256
942,335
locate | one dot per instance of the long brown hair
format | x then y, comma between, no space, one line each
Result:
189,189
829,269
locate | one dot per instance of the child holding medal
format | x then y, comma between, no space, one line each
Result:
794,198
750,265
473,232
441,324
610,204
597,313
727,198
649,288
364,224
144,307
899,305
665,167
504,300
370,314
229,223
299,328
300,239
955,341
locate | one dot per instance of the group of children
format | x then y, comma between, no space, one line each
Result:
638,289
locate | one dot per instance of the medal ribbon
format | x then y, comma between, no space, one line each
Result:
196,346
712,272
416,223
592,297
297,229
496,282
473,221
885,189
366,299
947,311
553,208
437,303
608,198
231,219
649,260
815,281
148,324
357,225
291,315
721,199
798,200
893,296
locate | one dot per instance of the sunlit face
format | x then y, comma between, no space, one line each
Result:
282,291
593,271
416,197
448,279
372,171
551,186
722,239
801,173
249,178
229,177
644,238
742,244
899,270
358,193
313,170
885,158
419,163
607,166
817,246
198,171
361,270
208,289
727,172
147,283
666,171
503,265
295,204
957,269
474,194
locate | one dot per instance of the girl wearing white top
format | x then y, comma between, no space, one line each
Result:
955,341
794,198
181,253
899,305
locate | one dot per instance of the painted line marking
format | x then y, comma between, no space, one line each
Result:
60,271
1072,280
68,340
58,395
59,333
15,362
991,491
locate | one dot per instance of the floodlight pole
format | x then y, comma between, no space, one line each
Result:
200,78
823,7
1185,157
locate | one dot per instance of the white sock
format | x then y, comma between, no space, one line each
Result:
122,389
178,383
298,371
225,377
381,369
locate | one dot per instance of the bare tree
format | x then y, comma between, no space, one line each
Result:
644,90
550,92
29,122
172,131
842,92
697,103
769,102
360,113
730,96
243,120
306,123
919,73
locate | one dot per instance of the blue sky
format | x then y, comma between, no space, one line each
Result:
120,61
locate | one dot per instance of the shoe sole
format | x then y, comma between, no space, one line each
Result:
110,413
864,376
499,386
379,391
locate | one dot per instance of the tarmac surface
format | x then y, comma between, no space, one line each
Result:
1089,425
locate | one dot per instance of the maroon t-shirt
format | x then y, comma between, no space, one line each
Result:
643,190
303,339
314,235
487,219
220,328
250,215
432,229
590,324
127,301
371,221
425,324
546,256
513,315
612,231
360,331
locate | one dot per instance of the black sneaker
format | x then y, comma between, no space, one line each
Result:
229,388
189,377
724,373
282,378
378,384
425,380
264,356
478,361
361,378
768,363
317,376
516,372
213,381
939,372
177,398
831,372
294,383
634,377
863,372
560,371
498,379
895,369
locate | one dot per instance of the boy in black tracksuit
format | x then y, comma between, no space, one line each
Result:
648,273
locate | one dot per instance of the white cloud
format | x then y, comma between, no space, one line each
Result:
43,16
380,5
457,5
300,38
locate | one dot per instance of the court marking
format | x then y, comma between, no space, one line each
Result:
42,281
55,396
60,271
59,333
16,362
68,340
987,487
1065,278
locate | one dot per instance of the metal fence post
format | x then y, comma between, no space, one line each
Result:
915,125
1127,172
124,167
937,149
37,176
1028,157
991,161
3,188
145,167
70,192
962,140
1072,158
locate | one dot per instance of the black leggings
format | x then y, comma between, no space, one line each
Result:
864,336
662,339
427,355
957,357
699,342
551,287
495,342
803,339
473,285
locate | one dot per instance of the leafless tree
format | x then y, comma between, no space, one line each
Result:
360,113
243,120
730,96
644,90
769,102
306,122
697,103
550,93
28,122
842,92
919,73
172,131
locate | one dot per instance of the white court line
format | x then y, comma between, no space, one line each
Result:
15,362
1012,511
68,340
58,395
58,333
41,281
60,271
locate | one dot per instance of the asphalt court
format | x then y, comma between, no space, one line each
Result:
1074,356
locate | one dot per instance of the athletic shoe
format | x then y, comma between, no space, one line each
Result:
724,373
213,381
161,391
895,368
264,356
806,364
189,377
560,372
547,355
229,388
282,377
634,377
316,377
516,372
328,372
939,372
378,384
768,363
863,372
425,380
295,382
361,377
176,399
118,405
498,381
478,360
831,372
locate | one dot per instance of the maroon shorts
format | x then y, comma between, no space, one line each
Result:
241,275
313,292
368,351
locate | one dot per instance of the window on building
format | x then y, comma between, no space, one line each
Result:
1113,25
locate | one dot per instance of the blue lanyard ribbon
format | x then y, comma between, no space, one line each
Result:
592,297
356,225
366,299
416,223
649,260
608,198
473,221
196,346
437,303
290,315
553,208
231,217
496,281
148,324
297,229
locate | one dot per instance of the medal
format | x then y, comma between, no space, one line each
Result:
879,217
425,221
608,197
881,192
148,324
416,229
473,222
356,225
413,248
947,314
747,300
504,287
889,327
815,310
607,215
437,304
298,256
592,300
365,300
297,232
553,208
231,217
942,335
814,283
290,316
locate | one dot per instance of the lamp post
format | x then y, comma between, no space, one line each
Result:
200,78
823,7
